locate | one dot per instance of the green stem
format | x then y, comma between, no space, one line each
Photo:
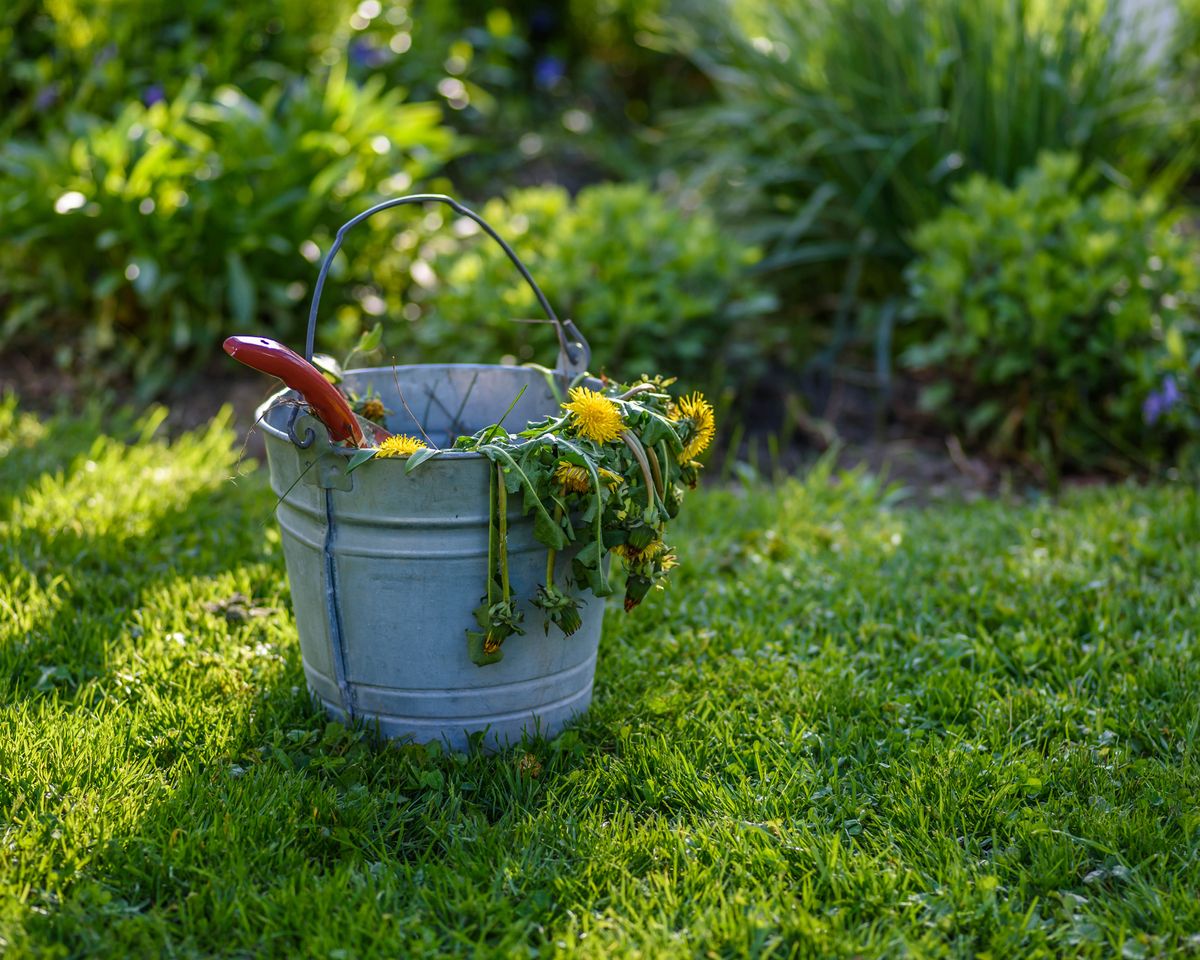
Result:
634,391
551,377
491,571
662,450
496,429
502,509
639,453
552,554
498,453
655,469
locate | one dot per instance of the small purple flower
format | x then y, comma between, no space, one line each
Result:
153,94
1152,409
1160,402
363,53
45,98
548,71
1170,392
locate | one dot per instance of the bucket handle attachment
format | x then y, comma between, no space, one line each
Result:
574,354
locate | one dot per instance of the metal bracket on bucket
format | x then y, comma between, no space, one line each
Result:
320,465
576,357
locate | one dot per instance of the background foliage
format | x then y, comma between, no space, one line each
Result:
176,222
650,285
842,125
778,162
94,56
1054,310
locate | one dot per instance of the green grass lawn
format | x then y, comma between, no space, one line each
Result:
847,729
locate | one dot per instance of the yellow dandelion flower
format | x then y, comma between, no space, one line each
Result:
595,416
373,409
611,480
631,555
571,478
670,562
704,425
401,445
574,479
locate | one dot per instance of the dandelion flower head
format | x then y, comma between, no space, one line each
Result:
632,555
594,415
401,445
575,479
704,425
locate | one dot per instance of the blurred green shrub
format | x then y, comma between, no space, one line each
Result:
844,124
572,89
94,56
163,163
1046,313
572,76
134,245
651,286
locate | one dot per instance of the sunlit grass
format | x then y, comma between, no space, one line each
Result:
847,728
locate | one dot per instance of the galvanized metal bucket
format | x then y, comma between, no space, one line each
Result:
387,566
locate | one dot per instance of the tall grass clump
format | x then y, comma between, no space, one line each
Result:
842,125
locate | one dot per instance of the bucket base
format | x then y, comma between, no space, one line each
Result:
500,730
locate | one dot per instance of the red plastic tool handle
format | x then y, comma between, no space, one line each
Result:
271,356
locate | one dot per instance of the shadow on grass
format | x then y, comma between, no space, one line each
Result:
91,523
92,590
282,833
250,822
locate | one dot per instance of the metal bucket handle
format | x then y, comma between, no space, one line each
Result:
574,354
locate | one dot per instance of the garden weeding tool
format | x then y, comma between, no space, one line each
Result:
327,402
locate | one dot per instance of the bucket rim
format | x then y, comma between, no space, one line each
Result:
445,453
